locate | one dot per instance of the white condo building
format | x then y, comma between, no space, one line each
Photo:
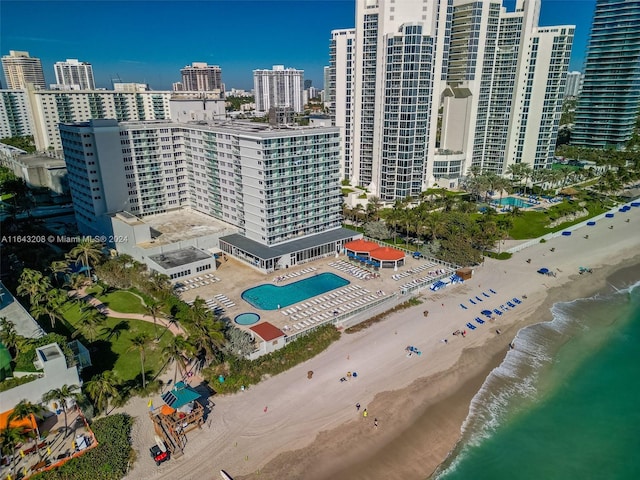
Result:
15,116
75,73
574,84
441,85
339,83
278,188
279,87
20,70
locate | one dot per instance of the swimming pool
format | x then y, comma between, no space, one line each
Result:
248,318
269,297
514,202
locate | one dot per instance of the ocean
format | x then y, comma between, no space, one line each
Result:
565,402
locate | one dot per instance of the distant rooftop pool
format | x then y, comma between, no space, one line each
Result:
514,202
269,297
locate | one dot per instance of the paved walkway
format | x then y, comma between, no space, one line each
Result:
173,327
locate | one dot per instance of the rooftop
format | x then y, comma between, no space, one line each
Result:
267,331
183,224
177,258
15,312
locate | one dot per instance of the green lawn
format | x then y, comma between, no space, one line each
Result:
110,353
122,301
534,224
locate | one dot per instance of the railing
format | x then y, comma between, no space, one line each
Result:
571,228
351,317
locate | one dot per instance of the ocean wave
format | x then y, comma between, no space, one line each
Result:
513,385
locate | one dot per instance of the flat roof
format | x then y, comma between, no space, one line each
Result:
177,258
183,224
265,252
15,312
39,160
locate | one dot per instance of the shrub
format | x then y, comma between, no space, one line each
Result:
108,461
242,372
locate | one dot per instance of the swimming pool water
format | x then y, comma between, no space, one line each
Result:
514,202
268,297
248,318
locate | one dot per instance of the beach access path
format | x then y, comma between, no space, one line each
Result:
290,426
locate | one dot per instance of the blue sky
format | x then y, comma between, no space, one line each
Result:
150,41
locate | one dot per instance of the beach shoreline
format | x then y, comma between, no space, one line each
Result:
312,430
402,453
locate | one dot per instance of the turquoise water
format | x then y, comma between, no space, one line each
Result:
248,318
269,297
564,404
514,202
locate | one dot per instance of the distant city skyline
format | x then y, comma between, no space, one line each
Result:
155,39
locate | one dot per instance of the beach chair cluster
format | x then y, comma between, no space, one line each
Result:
412,271
304,271
224,300
489,313
323,309
357,272
214,307
196,282
428,279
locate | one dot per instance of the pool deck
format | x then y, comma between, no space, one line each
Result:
234,277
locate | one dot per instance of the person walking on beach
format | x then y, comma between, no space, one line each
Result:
375,423
365,413
357,407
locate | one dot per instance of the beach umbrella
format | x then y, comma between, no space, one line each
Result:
591,224
543,271
486,313
566,233
608,215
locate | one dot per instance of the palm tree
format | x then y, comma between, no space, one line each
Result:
75,283
25,409
174,351
10,438
32,284
153,309
91,319
101,388
51,305
9,336
60,396
374,206
56,267
139,343
85,252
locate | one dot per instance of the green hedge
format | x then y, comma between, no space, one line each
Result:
241,372
107,461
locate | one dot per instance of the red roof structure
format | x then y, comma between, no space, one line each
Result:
361,245
267,331
386,254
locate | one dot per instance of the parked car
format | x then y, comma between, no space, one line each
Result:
158,454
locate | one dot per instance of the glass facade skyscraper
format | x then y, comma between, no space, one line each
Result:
608,107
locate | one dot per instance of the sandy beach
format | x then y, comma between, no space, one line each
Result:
293,427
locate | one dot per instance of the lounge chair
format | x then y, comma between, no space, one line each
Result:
471,326
479,320
497,312
492,291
